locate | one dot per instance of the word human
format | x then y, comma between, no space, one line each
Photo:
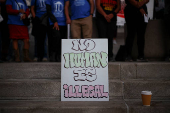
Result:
90,91
86,59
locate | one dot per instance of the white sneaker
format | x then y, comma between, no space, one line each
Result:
44,59
35,59
114,42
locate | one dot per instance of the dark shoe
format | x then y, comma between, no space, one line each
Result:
111,59
142,59
128,59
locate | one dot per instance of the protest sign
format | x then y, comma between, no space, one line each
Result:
84,70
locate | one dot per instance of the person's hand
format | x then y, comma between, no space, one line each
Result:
21,11
107,18
23,16
56,26
110,16
68,21
142,11
146,1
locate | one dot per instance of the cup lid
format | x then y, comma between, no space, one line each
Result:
146,92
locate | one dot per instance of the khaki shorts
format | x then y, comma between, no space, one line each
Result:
84,25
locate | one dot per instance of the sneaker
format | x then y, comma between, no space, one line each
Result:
142,59
44,59
114,42
35,59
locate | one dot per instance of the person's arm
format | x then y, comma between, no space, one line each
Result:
33,11
101,11
12,11
99,8
142,11
91,7
27,12
50,14
138,4
118,7
52,17
116,10
68,20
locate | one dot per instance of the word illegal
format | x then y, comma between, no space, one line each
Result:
90,91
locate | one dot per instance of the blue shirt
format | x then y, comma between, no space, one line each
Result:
57,8
15,19
40,7
79,9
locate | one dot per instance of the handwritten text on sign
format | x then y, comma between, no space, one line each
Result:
84,70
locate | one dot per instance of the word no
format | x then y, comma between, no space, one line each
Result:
83,45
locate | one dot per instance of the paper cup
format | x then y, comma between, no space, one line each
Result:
146,98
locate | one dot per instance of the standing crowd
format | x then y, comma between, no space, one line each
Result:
50,19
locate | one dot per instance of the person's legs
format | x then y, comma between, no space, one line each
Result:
115,35
41,35
141,28
45,47
87,27
15,44
50,44
5,40
110,28
10,51
131,31
76,29
16,50
26,50
105,30
63,35
35,49
101,27
54,41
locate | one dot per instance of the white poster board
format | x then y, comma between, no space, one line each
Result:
84,70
